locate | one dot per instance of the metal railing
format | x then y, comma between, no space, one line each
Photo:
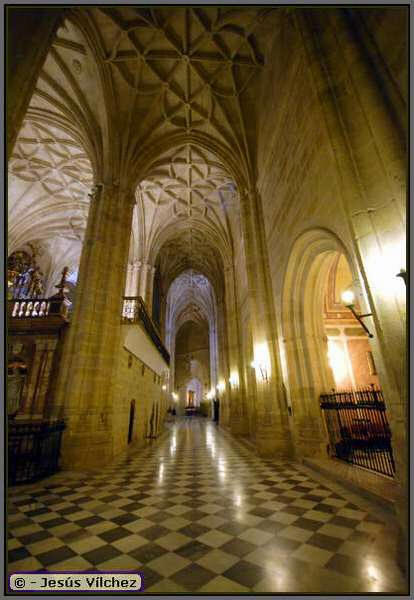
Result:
135,311
33,450
358,428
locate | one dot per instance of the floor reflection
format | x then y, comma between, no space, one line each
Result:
198,511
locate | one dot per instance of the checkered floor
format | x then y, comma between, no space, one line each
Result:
199,511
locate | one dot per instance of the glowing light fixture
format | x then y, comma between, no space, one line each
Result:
234,379
175,396
348,298
261,362
164,387
403,275
221,386
387,267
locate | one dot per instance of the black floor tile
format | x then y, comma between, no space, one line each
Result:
245,573
54,556
148,552
17,554
238,547
193,576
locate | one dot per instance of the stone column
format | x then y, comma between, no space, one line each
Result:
132,280
91,351
368,142
30,33
128,286
143,281
213,353
272,428
150,287
303,351
136,269
238,415
171,383
223,366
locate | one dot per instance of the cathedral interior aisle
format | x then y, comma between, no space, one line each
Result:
206,294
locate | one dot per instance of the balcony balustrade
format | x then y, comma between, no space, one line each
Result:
135,311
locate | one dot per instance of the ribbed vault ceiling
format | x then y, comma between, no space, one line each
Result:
116,81
182,201
191,298
190,249
50,177
184,68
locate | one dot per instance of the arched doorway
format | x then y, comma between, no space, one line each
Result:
192,363
131,421
324,345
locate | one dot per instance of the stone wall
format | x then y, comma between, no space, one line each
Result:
297,181
134,380
382,24
332,177
300,181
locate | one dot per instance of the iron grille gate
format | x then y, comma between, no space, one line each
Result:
358,428
33,450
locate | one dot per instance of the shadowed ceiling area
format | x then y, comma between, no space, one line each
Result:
190,248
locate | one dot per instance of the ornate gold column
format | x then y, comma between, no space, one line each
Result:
89,363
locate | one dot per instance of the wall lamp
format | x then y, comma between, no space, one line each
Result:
262,369
175,396
234,380
403,275
261,362
221,386
348,298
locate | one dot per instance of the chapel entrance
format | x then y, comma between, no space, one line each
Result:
334,394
